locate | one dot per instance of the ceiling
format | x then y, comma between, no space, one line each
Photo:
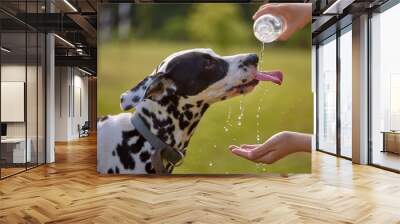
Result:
332,15
74,22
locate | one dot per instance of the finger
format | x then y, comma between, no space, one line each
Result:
283,37
264,7
269,6
257,152
268,158
270,145
267,9
272,156
254,153
249,154
262,11
244,146
286,34
249,146
242,153
233,147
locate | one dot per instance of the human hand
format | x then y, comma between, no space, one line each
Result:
296,15
275,148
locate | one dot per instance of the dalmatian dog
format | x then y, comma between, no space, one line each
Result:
172,101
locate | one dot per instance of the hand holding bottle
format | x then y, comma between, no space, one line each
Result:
290,17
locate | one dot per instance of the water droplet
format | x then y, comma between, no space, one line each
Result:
228,120
215,146
241,113
258,121
211,164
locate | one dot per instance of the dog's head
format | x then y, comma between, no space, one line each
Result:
199,74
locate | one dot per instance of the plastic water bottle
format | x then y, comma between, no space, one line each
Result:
268,28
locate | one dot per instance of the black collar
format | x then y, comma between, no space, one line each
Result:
163,151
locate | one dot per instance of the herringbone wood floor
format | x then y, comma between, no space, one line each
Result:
70,191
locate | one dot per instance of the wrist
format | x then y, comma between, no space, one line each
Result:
297,142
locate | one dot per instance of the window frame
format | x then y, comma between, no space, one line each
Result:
27,29
381,9
342,27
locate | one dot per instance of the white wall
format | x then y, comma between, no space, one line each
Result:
71,94
62,81
80,110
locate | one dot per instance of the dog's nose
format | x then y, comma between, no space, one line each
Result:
251,59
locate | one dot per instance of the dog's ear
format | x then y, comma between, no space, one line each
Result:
152,87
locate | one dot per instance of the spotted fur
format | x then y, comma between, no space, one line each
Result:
171,103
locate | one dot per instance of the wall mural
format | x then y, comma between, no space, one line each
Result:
182,86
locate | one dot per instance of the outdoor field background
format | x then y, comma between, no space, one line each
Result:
124,61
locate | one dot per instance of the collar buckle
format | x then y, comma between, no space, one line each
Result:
179,162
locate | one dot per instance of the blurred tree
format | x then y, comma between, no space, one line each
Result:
144,27
247,11
174,29
218,24
153,20
221,24
300,39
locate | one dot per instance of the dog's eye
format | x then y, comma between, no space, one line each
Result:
209,63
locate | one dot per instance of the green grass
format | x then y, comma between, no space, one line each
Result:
286,107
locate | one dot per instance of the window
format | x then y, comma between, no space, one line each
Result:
327,95
346,92
394,102
385,89
22,75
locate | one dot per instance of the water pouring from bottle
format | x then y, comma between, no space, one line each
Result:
267,28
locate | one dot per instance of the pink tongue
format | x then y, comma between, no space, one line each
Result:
273,76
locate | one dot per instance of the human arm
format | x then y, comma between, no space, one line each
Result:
275,148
